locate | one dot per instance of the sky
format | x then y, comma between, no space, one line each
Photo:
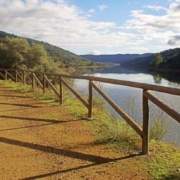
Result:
96,26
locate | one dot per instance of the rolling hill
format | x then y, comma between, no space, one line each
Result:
115,58
166,60
59,55
170,59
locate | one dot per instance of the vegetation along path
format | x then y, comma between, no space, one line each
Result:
40,140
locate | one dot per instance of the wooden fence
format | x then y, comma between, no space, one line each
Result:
49,80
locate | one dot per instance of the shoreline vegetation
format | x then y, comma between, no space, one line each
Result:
164,159
24,53
165,63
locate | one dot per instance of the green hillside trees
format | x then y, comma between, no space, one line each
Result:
158,59
19,53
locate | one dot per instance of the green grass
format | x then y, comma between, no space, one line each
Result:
158,129
164,159
17,86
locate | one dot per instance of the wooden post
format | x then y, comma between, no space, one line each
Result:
24,77
60,91
6,75
16,76
145,137
90,100
44,84
33,81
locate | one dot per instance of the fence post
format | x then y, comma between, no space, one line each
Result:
90,100
24,77
33,82
16,76
6,75
145,138
44,84
60,91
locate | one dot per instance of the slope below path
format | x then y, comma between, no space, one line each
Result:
39,140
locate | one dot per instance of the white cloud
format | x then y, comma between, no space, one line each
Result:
91,12
156,7
175,40
156,30
69,27
175,6
103,7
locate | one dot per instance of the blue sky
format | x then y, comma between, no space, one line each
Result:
117,10
96,26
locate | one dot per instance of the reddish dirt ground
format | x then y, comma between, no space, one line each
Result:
39,140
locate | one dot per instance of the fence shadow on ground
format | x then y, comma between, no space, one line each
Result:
96,160
48,122
15,96
21,105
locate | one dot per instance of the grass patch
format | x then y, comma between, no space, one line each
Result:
158,130
16,86
164,159
114,132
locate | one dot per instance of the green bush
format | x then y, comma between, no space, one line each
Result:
19,53
158,130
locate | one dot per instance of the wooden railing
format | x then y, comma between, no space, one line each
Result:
49,80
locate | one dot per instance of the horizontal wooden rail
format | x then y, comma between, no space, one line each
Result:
169,90
175,115
145,86
123,114
75,93
143,131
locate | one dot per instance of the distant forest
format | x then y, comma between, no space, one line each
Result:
19,52
168,60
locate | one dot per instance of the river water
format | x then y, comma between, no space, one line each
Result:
130,99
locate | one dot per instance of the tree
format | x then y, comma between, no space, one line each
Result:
13,52
37,56
157,60
18,53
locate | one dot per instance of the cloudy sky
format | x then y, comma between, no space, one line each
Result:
96,26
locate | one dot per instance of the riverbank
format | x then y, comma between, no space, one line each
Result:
163,161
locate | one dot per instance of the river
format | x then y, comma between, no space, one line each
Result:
130,99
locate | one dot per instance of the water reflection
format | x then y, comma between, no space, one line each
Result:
130,99
157,78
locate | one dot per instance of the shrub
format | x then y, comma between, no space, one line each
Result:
158,130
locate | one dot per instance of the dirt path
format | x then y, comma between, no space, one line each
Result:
44,141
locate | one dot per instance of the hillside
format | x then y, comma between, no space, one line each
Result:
66,58
165,60
168,60
115,58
